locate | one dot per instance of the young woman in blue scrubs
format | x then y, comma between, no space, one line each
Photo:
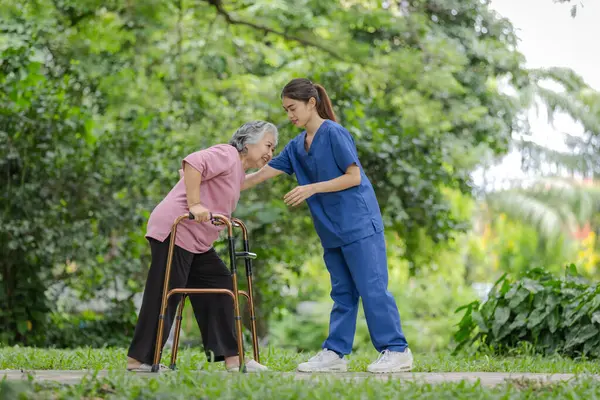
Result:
348,221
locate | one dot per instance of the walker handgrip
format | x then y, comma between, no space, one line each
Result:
191,216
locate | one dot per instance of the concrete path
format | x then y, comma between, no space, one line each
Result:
485,378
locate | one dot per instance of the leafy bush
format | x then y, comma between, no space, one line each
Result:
552,314
113,328
302,331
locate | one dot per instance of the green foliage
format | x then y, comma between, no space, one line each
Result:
561,90
103,99
508,246
74,201
41,132
303,331
553,315
88,329
414,131
563,195
556,207
16,390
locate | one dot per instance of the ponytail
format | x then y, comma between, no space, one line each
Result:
302,89
324,107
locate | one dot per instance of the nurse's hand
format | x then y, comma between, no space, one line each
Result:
298,195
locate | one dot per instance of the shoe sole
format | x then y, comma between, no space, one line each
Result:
326,369
247,371
393,370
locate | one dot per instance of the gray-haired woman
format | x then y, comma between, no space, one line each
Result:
211,182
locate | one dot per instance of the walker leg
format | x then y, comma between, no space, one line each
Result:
177,331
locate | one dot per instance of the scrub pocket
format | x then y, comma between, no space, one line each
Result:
346,211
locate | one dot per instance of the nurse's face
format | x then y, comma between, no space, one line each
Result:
259,154
299,112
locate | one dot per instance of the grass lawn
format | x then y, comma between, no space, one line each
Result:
188,383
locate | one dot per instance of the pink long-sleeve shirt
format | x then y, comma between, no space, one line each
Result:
222,179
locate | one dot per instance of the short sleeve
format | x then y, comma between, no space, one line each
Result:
213,161
283,161
343,148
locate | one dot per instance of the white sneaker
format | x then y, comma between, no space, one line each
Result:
324,361
251,366
392,361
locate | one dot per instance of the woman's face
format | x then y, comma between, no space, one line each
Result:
299,112
259,154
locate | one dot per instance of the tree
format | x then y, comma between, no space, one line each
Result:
565,197
129,88
73,194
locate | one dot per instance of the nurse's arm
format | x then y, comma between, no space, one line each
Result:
266,172
350,179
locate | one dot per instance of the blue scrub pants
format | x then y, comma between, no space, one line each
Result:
359,269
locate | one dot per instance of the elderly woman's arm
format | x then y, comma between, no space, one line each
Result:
261,175
192,179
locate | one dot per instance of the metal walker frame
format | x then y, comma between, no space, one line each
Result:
216,219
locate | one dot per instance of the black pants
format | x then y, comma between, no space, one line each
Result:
214,312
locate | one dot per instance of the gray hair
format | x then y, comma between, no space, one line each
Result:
251,133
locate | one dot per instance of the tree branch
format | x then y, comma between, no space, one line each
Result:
218,4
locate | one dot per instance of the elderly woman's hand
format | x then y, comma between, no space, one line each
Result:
200,213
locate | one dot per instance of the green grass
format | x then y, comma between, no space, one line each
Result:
189,383
286,360
186,385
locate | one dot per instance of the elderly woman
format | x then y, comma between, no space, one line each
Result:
211,182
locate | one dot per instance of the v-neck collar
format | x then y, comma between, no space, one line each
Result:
303,141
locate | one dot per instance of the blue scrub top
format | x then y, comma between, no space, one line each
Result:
340,217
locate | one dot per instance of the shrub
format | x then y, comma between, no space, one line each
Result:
114,328
552,314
